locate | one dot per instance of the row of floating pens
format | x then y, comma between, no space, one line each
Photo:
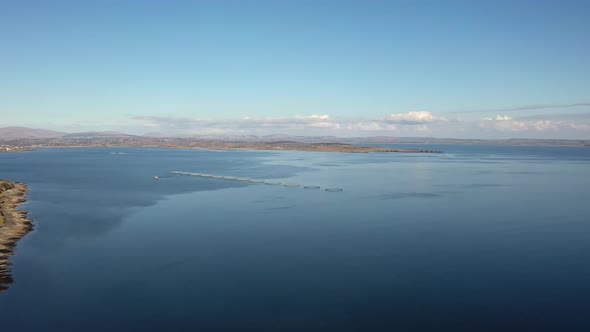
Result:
235,178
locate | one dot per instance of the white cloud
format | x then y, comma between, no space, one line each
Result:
512,126
314,117
503,118
245,124
402,124
327,125
498,118
298,122
516,125
371,126
545,125
290,119
413,118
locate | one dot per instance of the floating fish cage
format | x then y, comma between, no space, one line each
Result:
235,178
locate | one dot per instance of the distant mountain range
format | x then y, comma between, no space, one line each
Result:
24,133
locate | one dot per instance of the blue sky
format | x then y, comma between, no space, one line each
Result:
487,69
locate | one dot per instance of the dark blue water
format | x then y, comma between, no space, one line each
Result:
480,238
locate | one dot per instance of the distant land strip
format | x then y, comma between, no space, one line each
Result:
13,225
23,138
138,141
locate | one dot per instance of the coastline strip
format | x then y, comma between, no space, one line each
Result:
14,224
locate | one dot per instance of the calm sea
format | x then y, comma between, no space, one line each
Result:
479,238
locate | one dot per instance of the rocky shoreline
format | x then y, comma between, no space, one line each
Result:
14,224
